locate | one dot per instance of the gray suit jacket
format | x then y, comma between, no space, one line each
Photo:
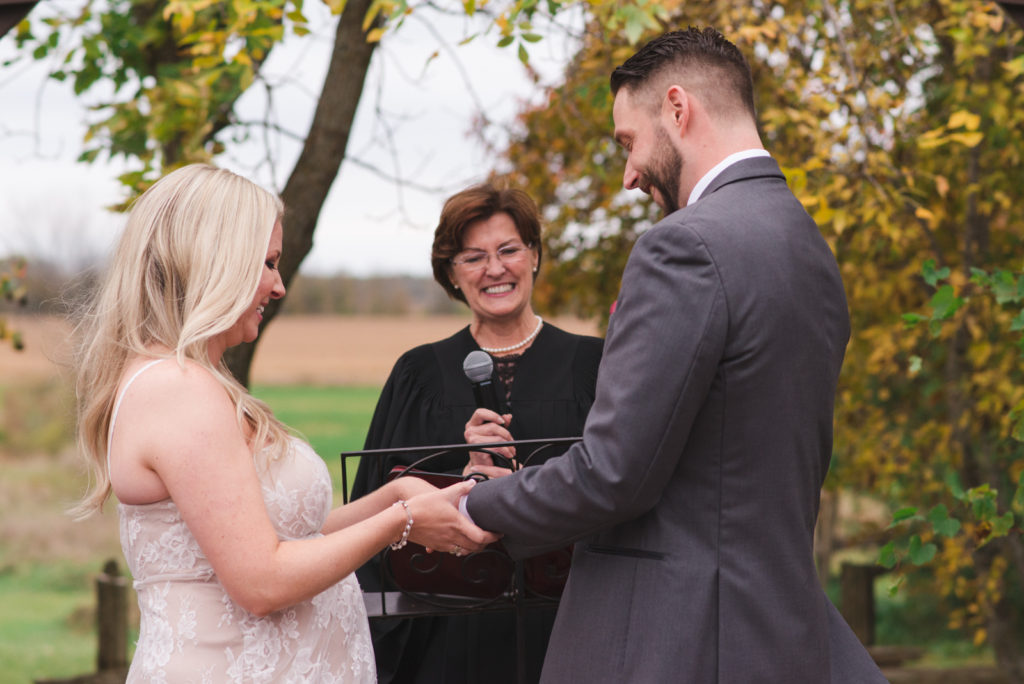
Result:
693,495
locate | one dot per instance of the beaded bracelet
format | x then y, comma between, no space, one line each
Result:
408,527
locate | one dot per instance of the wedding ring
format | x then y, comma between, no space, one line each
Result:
457,550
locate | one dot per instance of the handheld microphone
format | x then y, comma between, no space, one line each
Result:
478,367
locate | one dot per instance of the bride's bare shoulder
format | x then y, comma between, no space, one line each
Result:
168,382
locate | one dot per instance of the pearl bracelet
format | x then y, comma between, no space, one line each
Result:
408,527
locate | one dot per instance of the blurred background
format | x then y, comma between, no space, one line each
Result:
901,129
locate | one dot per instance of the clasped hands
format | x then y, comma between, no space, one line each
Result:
437,523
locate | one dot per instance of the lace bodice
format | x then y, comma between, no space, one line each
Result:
191,630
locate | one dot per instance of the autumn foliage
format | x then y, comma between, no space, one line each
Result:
901,131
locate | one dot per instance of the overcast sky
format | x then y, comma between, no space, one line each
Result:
54,206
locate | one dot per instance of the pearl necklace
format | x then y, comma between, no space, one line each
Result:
499,350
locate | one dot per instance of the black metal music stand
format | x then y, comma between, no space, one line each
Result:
489,580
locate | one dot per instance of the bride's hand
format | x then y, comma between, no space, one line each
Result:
438,524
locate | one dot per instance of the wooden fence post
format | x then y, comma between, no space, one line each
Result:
857,599
111,618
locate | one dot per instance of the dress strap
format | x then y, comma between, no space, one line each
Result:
120,398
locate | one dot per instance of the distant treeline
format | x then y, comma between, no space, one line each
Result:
47,289
343,294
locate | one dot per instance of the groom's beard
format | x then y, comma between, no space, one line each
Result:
664,173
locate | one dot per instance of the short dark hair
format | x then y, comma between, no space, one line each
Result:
690,50
479,203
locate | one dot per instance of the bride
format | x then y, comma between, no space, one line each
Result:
243,571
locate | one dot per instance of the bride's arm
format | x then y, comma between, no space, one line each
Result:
184,426
374,502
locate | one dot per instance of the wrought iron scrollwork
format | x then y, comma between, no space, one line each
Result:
443,582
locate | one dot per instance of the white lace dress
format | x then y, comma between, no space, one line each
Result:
191,630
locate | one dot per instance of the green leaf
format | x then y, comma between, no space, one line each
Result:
933,275
983,502
531,37
636,20
903,514
942,523
887,555
952,480
912,319
1003,524
979,276
945,303
1004,287
524,56
506,41
920,553
1017,324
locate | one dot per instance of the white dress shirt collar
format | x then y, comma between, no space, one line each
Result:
721,166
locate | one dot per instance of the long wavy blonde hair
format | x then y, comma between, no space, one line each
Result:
185,269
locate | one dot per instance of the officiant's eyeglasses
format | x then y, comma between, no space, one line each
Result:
477,259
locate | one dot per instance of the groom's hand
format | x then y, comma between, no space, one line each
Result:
443,528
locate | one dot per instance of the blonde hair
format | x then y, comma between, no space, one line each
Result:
185,269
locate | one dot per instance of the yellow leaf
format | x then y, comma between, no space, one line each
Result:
371,14
926,142
968,139
824,214
1015,67
964,119
925,214
979,636
375,35
183,13
942,185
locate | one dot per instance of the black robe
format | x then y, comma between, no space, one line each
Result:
427,401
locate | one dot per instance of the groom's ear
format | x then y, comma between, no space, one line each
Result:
675,109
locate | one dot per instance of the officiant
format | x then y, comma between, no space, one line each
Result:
486,254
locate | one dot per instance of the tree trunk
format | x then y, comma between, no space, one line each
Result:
321,158
1002,621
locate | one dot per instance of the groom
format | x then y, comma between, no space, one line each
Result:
693,495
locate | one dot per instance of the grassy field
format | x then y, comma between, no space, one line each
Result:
46,625
332,419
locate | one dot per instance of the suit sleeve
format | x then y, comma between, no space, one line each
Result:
661,353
